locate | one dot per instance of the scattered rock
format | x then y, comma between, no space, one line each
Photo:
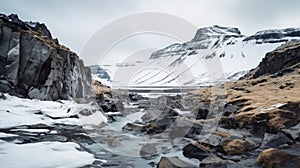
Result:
173,162
148,150
213,161
293,132
144,103
162,120
274,140
213,140
153,114
159,125
275,158
183,127
2,96
202,114
133,127
195,151
230,109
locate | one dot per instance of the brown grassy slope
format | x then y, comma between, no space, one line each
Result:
267,101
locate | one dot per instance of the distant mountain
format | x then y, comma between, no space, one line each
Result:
208,58
100,74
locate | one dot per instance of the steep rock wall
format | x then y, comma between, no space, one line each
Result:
34,65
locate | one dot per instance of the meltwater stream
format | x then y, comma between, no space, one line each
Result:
116,147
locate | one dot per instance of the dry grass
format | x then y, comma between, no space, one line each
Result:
274,158
98,88
259,97
235,146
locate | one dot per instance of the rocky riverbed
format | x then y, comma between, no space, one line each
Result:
164,133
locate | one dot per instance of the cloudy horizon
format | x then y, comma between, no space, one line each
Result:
73,22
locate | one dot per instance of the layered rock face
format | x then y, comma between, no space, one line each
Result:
35,65
283,60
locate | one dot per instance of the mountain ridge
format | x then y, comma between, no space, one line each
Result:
225,49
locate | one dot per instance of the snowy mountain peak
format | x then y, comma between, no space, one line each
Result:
215,32
186,63
275,34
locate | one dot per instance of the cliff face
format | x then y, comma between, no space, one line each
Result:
282,60
36,66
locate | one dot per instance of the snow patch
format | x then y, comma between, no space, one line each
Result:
43,155
16,112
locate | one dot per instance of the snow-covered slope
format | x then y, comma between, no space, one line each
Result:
215,54
33,133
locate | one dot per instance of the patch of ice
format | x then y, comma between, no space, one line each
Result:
113,113
6,135
53,132
32,130
274,106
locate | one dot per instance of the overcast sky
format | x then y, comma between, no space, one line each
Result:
73,22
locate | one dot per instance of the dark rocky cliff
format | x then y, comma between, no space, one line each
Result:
34,65
283,60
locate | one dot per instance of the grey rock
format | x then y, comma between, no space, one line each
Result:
36,66
133,127
293,132
5,86
213,140
278,62
148,150
13,57
213,161
5,41
274,140
2,96
195,151
173,162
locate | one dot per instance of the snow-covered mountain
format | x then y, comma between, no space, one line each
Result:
215,54
100,74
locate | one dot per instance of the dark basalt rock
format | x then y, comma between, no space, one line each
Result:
284,59
202,114
34,65
195,151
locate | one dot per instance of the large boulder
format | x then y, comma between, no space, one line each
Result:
274,158
195,151
34,65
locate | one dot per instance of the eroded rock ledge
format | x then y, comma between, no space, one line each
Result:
34,65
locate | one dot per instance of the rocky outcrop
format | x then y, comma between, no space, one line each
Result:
281,61
216,31
275,35
35,65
